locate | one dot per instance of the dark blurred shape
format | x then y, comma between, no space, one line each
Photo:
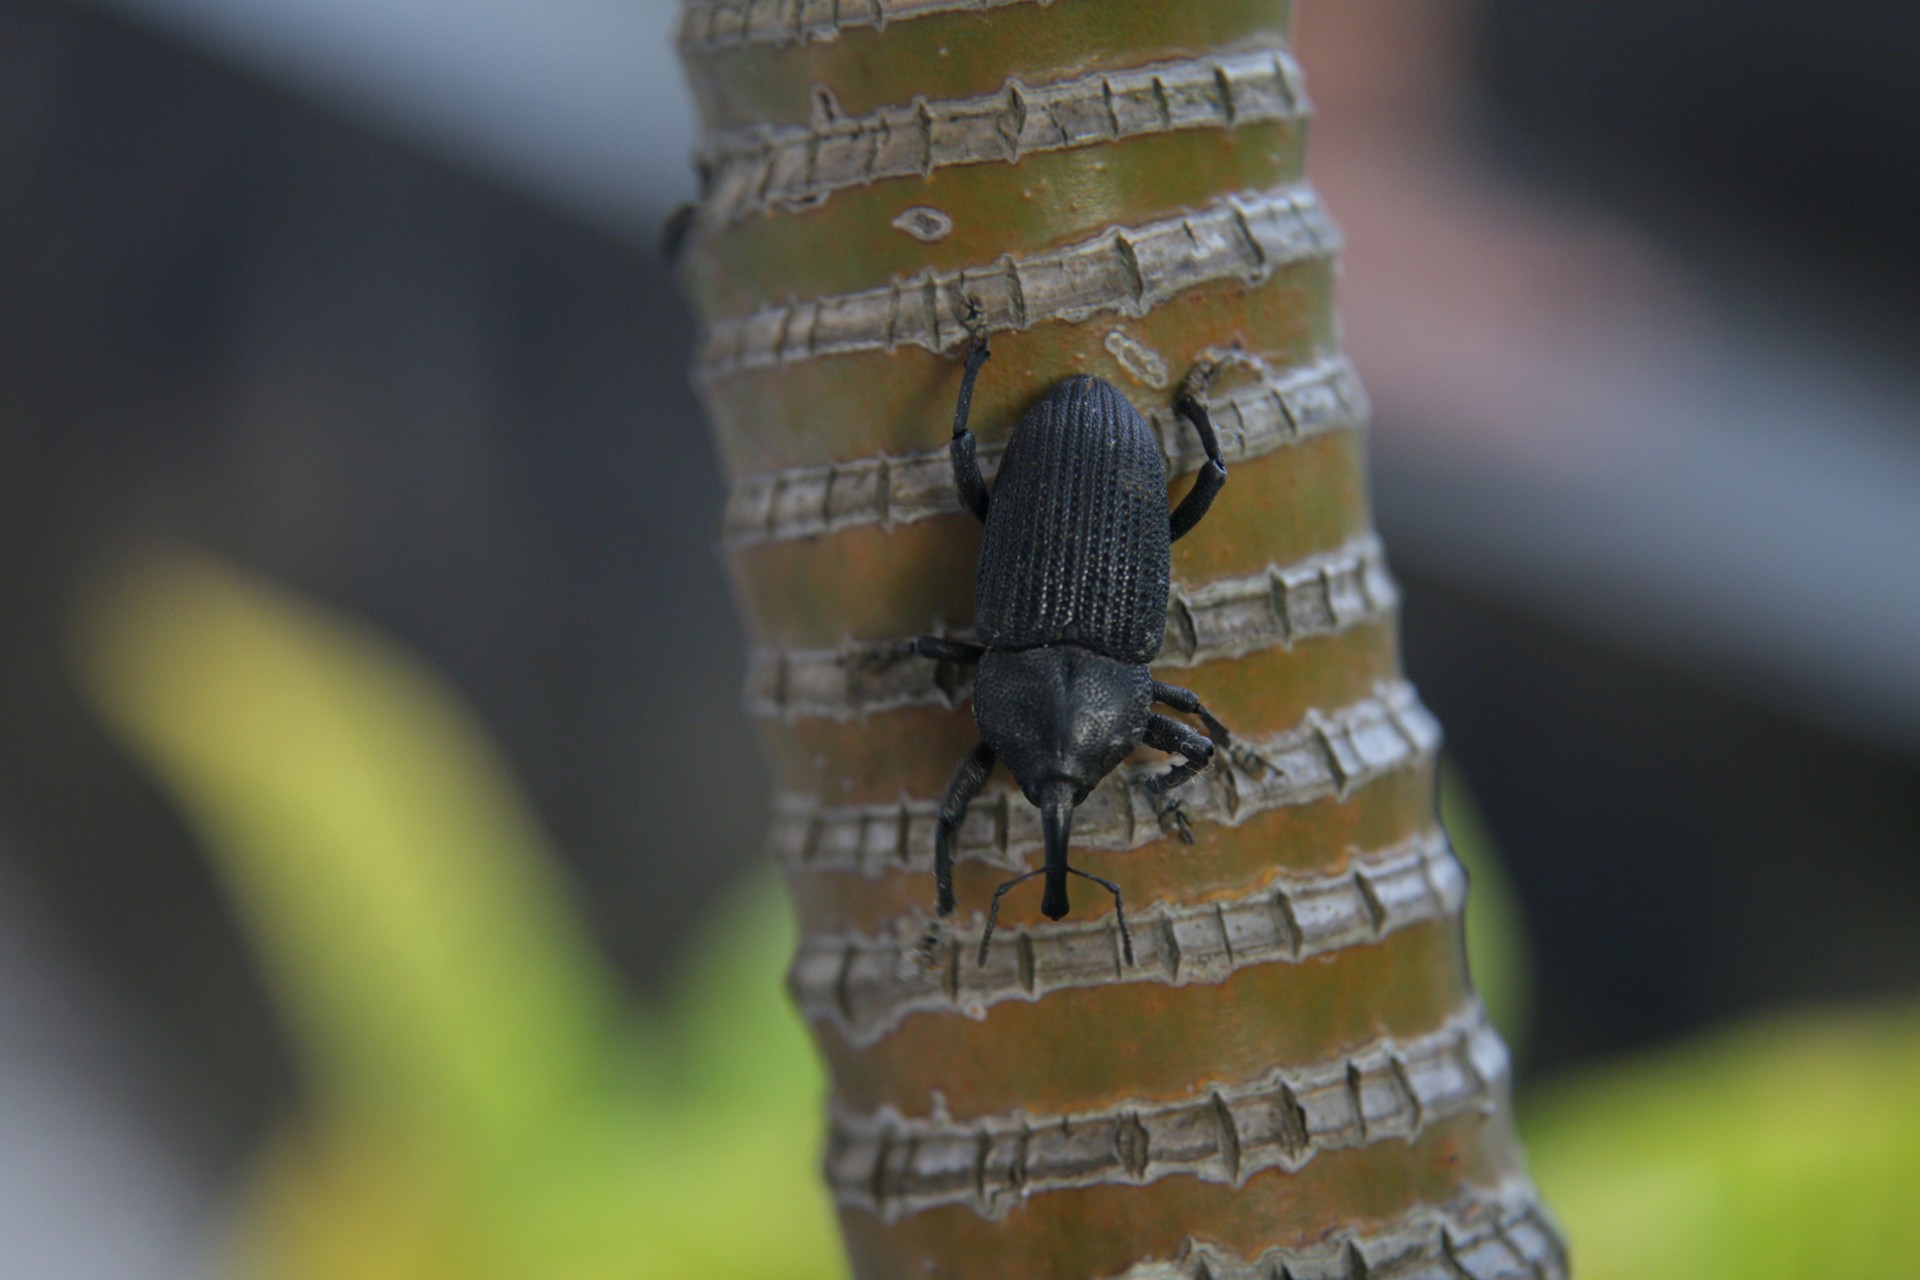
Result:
1740,127
1656,515
1683,856
578,102
228,319
1576,416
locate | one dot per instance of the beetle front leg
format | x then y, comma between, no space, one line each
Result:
968,779
1165,734
1185,700
1191,404
966,464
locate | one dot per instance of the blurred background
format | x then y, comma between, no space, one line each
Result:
357,299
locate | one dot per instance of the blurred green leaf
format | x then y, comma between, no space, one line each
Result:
480,1104
1785,1149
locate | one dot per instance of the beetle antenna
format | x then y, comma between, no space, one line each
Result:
1119,910
993,911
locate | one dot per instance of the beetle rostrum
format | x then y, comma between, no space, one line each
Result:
1070,606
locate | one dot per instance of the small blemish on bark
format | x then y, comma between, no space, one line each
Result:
924,223
825,107
1142,363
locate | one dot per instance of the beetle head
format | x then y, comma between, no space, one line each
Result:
1060,716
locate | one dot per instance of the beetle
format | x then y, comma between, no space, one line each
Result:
1070,608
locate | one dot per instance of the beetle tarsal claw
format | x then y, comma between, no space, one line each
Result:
1198,381
884,657
880,657
974,319
1172,816
1249,761
928,955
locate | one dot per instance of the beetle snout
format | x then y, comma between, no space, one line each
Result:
1056,823
1051,790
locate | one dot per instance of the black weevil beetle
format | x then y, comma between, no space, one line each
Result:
1070,605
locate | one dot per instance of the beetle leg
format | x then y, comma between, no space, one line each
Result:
933,648
966,465
1165,734
1191,404
1185,700
677,231
949,654
1251,762
941,649
976,319
926,956
966,784
1172,817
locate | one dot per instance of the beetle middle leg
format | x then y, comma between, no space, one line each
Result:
940,649
1196,750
